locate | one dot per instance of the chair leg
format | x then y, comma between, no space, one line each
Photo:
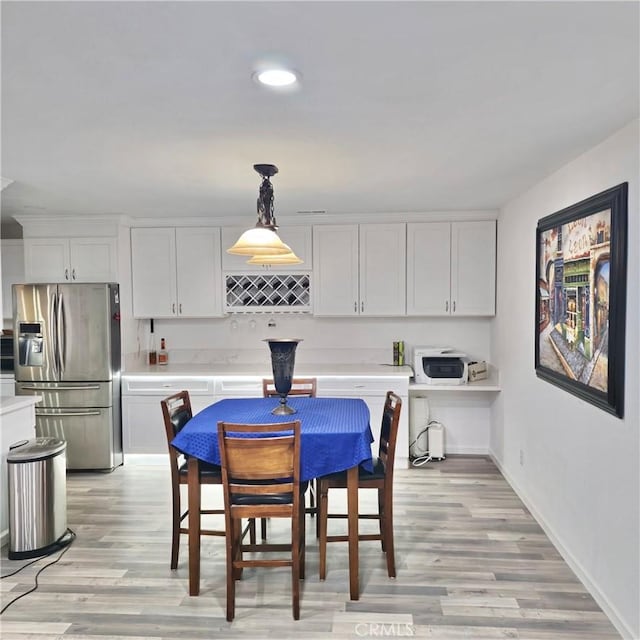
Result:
312,495
381,517
263,529
175,528
252,530
322,521
296,524
303,543
231,544
388,536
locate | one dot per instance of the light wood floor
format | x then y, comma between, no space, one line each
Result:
472,563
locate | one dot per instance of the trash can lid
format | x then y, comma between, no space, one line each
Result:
36,449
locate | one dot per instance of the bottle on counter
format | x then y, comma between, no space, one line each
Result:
163,354
153,352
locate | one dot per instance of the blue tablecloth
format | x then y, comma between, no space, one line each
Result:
336,434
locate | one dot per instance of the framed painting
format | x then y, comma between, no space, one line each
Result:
581,282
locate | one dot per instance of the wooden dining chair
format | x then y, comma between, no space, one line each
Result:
381,479
176,410
261,479
301,387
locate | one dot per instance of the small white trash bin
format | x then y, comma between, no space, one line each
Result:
37,497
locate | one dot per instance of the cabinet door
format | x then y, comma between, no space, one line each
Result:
335,270
297,237
428,268
93,260
383,269
46,260
12,272
153,266
199,274
473,268
143,425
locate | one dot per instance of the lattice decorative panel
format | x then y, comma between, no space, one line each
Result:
268,292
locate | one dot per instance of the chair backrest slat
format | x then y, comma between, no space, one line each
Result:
176,410
305,387
260,459
389,430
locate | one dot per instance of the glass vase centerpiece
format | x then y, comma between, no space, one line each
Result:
283,359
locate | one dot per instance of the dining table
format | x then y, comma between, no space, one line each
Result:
335,436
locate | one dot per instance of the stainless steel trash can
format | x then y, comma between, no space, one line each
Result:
37,497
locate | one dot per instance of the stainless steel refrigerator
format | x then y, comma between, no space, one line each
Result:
67,350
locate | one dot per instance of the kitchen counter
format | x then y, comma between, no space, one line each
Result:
263,370
10,404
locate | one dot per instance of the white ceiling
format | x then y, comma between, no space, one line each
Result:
149,109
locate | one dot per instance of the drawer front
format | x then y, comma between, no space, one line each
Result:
244,387
156,385
361,387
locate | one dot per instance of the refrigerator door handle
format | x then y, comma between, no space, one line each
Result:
61,331
53,323
90,412
83,387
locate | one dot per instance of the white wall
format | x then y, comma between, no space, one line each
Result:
580,473
340,339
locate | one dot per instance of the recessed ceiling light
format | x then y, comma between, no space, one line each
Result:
277,77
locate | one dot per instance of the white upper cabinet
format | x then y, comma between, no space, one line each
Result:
298,238
12,272
71,259
451,268
335,270
473,268
359,270
176,272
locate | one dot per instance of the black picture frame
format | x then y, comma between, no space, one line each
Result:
581,289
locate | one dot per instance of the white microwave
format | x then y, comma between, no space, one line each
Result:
439,365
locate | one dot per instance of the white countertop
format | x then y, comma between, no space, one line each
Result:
7,375
262,370
15,403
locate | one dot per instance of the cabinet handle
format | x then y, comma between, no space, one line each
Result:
73,274
180,308
66,274
355,307
454,306
361,307
173,308
446,306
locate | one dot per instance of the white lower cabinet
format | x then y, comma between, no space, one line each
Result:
373,391
143,427
142,422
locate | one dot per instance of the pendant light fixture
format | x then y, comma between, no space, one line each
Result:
262,242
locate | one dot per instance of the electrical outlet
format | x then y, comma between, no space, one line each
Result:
521,458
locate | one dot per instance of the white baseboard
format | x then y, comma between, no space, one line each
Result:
609,610
466,451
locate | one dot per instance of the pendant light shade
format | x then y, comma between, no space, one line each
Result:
259,241
268,260
262,242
